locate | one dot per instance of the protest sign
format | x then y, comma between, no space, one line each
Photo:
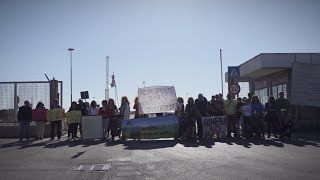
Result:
73,117
39,114
92,127
56,114
212,126
151,128
157,99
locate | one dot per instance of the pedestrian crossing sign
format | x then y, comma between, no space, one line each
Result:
233,71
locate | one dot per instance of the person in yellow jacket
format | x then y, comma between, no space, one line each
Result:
230,109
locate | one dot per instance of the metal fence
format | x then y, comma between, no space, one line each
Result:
13,95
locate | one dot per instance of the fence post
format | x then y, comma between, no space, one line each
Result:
54,94
15,104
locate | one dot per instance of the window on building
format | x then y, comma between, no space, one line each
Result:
275,91
283,88
262,95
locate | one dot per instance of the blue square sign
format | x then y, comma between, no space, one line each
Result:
233,71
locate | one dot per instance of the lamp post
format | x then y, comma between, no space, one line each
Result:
107,79
70,50
221,72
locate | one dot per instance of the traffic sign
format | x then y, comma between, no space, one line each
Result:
234,88
233,71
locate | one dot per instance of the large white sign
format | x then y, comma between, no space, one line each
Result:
214,126
92,127
157,99
305,88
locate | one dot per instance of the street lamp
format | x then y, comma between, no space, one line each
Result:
70,50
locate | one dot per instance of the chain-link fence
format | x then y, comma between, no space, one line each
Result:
13,95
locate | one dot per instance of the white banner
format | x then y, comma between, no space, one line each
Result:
214,126
92,127
157,99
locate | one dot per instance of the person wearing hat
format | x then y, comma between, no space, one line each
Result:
24,118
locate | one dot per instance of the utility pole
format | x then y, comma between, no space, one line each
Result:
221,72
70,50
107,79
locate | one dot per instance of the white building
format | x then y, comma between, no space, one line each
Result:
296,74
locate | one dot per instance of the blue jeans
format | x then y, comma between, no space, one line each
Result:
24,129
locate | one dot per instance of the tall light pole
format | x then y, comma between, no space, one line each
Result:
70,50
221,72
107,79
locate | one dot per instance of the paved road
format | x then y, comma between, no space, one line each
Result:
298,158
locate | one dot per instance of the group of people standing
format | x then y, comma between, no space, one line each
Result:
245,116
108,111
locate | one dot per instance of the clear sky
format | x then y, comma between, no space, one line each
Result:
163,42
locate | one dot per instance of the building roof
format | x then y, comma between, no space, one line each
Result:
268,63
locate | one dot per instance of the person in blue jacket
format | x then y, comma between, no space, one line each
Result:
257,109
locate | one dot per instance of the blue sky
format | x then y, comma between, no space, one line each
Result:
164,42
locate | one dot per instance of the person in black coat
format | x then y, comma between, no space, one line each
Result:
271,117
24,118
202,106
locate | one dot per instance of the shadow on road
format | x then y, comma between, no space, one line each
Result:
83,143
52,144
299,141
148,144
248,143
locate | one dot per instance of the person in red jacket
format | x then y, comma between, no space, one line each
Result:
106,113
39,115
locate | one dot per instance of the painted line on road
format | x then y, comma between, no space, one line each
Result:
79,168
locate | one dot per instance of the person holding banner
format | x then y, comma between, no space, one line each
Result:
202,106
73,126
217,106
56,122
106,113
210,106
24,118
188,127
39,115
192,111
93,109
84,112
230,107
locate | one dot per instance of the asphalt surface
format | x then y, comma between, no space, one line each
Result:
298,158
